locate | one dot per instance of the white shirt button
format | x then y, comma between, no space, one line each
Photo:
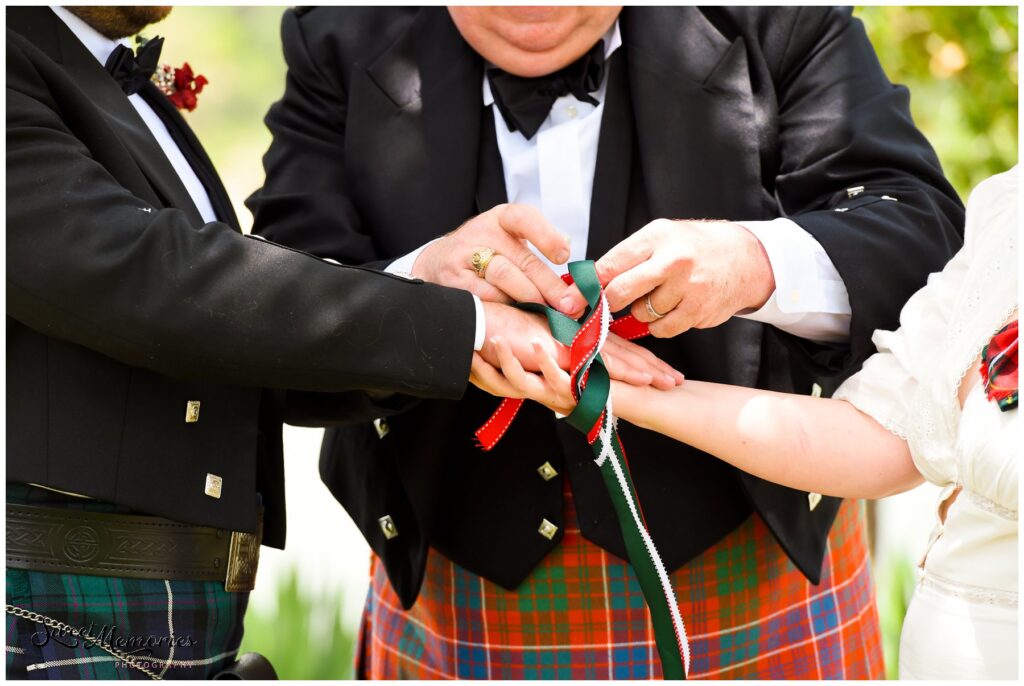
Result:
794,296
571,111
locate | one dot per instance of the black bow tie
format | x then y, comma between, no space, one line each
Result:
525,102
132,70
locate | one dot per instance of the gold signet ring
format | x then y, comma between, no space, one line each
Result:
480,260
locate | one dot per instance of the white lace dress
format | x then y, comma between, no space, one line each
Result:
962,621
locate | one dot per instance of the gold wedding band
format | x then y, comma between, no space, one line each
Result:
650,308
480,260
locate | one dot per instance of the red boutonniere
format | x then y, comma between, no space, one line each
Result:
999,367
180,85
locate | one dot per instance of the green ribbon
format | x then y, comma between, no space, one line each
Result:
592,402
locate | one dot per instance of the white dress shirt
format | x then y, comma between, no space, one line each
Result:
100,46
554,172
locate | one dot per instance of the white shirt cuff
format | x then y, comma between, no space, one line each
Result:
403,265
810,298
481,324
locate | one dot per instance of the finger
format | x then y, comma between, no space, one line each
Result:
634,284
564,297
653,363
674,323
504,275
556,350
619,368
554,374
528,223
659,379
529,385
663,299
483,290
486,377
557,381
624,256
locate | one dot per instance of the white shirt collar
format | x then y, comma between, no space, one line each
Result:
95,42
612,42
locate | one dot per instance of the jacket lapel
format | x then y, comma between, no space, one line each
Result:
414,133
122,117
694,112
613,171
193,152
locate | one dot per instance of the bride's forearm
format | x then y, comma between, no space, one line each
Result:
811,444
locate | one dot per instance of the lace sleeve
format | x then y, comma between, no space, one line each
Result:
909,386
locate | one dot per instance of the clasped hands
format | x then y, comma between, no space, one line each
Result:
675,275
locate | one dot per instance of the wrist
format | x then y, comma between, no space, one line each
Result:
625,399
760,282
421,265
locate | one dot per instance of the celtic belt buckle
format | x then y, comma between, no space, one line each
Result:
243,559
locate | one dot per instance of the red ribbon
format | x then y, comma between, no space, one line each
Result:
582,348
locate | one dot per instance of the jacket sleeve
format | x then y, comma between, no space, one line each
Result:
856,173
90,263
305,201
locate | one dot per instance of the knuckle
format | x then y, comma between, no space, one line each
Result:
530,262
514,215
499,270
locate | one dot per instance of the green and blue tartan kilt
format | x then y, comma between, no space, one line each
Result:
192,628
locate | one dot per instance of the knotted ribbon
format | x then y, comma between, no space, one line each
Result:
593,416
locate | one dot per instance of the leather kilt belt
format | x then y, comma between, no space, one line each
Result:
62,541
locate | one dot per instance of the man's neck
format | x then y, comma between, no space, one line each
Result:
95,42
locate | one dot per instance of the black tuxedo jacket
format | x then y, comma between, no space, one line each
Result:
381,143
122,306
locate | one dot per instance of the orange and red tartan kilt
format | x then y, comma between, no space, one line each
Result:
749,613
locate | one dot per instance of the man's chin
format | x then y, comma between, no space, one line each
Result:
120,21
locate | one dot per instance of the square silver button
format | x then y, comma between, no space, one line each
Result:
547,472
547,529
214,484
387,525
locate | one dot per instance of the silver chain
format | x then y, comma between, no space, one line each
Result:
37,618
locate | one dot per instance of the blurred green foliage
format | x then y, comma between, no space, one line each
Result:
895,579
960,64
304,636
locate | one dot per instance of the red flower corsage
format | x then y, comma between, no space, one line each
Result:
180,85
999,367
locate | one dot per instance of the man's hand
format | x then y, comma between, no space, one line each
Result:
625,361
515,273
696,273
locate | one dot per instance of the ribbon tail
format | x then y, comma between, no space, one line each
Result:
488,435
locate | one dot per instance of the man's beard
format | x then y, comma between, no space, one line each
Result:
118,22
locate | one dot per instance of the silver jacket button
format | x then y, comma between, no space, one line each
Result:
547,472
387,525
381,425
214,484
547,529
812,500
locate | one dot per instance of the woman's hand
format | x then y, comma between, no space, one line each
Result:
550,388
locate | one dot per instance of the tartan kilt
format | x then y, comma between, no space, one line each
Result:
749,613
204,620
